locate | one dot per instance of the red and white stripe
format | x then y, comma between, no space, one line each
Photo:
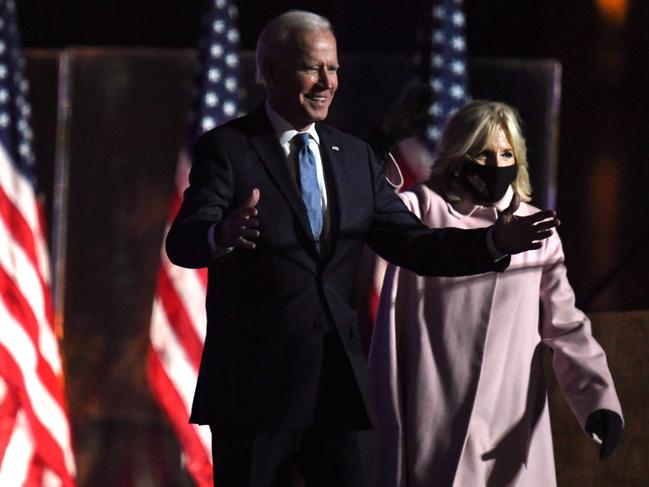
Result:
177,334
35,445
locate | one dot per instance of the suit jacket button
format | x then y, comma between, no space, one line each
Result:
318,325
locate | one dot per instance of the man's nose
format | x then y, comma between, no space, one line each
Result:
324,77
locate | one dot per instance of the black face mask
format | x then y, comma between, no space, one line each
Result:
496,180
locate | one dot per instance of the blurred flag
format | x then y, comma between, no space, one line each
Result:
35,447
443,86
178,318
442,66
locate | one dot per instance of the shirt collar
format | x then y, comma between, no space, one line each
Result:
283,130
464,208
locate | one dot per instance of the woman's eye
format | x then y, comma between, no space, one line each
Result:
508,154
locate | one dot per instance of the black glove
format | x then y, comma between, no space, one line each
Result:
607,425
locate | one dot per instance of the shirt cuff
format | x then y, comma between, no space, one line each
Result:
217,250
496,254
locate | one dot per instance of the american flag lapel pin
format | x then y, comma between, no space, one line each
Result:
335,147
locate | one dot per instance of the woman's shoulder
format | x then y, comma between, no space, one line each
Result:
526,208
424,192
422,200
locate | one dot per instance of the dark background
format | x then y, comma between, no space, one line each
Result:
603,172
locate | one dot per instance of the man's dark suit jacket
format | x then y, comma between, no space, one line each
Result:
268,308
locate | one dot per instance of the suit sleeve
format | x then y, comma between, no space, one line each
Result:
205,201
578,360
400,237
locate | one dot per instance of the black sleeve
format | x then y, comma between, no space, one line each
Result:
205,201
400,237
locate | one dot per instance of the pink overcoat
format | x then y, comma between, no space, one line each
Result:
456,371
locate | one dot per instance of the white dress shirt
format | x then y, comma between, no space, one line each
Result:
285,134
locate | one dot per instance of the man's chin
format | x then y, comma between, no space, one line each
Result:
319,114
308,116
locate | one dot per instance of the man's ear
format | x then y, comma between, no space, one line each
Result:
269,74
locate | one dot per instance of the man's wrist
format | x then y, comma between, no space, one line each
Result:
216,249
496,254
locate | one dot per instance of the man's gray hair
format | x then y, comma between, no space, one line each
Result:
276,34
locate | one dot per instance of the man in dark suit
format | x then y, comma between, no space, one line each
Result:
280,219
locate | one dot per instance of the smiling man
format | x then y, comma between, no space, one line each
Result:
278,208
299,72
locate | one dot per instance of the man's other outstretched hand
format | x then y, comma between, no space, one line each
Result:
514,234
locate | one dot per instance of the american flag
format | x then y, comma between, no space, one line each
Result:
441,60
35,446
178,318
443,64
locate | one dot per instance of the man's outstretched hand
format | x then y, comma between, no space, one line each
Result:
239,228
514,234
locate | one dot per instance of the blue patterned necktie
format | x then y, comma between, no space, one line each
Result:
309,184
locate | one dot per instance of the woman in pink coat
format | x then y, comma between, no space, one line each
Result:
455,363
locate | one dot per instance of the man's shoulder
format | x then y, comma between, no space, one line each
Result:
330,130
246,126
339,136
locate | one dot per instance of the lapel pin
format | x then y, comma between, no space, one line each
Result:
335,147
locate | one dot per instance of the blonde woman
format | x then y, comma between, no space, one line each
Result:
455,363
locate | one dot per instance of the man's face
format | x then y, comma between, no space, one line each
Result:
301,84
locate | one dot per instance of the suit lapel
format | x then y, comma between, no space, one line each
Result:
333,163
272,156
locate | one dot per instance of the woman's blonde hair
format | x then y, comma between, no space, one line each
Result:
466,133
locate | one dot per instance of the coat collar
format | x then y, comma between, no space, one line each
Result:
463,208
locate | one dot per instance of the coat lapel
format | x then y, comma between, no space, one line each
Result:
271,155
333,162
